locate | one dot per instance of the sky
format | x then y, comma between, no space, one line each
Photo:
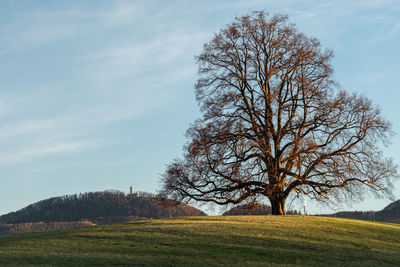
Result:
97,95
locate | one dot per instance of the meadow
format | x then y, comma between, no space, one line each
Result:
212,241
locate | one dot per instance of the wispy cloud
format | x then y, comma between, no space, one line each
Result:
28,138
42,26
121,13
395,29
39,28
166,51
42,149
32,139
2,106
28,127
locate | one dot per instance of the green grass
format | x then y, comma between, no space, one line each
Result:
212,241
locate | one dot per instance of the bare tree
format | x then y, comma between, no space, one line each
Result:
274,123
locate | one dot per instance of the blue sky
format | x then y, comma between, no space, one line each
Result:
97,95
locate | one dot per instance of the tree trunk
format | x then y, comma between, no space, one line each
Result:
278,206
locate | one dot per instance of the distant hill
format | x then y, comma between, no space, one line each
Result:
390,213
98,207
253,209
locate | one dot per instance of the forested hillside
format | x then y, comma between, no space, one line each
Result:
390,213
99,208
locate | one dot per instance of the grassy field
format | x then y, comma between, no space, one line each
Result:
212,241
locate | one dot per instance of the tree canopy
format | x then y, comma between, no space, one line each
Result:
275,124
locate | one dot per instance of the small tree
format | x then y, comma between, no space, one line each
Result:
274,123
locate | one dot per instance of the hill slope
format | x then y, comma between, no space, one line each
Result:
98,207
208,241
391,213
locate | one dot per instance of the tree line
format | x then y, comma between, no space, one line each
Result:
391,213
41,226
